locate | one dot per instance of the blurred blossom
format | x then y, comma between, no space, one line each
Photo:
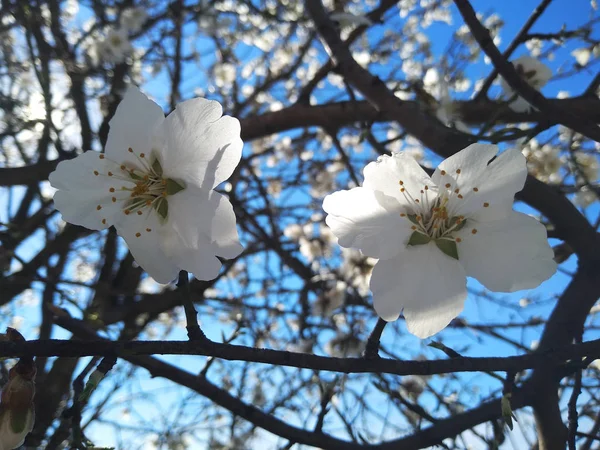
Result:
534,72
133,19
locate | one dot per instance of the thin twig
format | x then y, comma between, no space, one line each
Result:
191,316
372,348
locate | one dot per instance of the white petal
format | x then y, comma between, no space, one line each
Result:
428,285
489,194
135,125
471,161
202,148
367,220
201,226
385,174
147,247
83,185
508,254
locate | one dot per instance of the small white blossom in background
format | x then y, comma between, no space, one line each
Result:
534,72
585,197
115,47
330,300
357,269
582,56
345,346
155,184
447,111
430,233
588,165
133,19
224,74
346,19
543,162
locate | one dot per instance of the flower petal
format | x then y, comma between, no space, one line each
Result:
83,197
146,246
201,226
202,148
497,186
367,220
135,125
429,286
471,161
387,172
508,254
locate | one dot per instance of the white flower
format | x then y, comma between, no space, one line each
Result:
345,346
536,73
588,164
115,47
155,184
345,19
429,233
447,111
330,300
582,56
133,19
585,197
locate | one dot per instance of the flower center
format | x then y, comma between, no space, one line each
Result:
433,214
142,188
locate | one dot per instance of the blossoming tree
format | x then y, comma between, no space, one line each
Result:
299,224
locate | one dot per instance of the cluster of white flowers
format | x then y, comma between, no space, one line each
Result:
543,161
115,47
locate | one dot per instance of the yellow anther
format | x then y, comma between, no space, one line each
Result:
457,170
486,204
443,172
475,189
458,240
112,189
148,230
98,208
138,234
114,199
130,150
96,173
474,231
101,156
448,185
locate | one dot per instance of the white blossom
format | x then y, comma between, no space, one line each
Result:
345,346
330,300
115,47
429,233
133,19
543,162
346,19
585,197
155,184
534,72
582,56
